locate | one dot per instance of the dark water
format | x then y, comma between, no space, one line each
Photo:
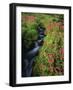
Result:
28,55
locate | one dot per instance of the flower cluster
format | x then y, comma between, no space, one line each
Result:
51,58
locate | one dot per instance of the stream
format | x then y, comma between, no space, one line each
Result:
28,58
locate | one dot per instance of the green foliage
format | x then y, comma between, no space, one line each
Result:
45,65
29,34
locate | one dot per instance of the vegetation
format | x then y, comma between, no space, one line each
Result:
50,60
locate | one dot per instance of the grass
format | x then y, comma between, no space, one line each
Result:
50,60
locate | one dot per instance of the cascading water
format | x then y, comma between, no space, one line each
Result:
28,58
